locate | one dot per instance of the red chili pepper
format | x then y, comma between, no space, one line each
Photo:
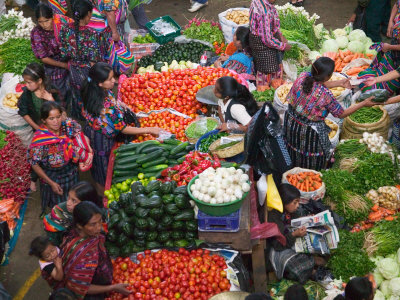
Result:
184,170
176,177
205,164
164,173
188,178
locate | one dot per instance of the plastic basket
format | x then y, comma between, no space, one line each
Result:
229,223
140,50
212,132
222,209
163,39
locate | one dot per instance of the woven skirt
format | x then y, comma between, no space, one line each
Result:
101,146
266,60
66,177
305,144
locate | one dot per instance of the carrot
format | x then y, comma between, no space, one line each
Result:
389,218
374,216
348,58
341,54
375,207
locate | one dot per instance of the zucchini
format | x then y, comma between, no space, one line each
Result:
185,215
190,147
120,173
154,162
167,146
179,148
172,141
126,167
120,179
156,168
150,149
150,174
127,147
179,155
150,157
120,155
173,162
145,144
129,159
227,164
181,159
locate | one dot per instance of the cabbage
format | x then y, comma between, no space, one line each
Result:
385,288
339,32
329,46
313,55
395,286
393,297
318,29
378,277
357,35
368,41
379,295
356,47
376,259
392,256
388,268
342,41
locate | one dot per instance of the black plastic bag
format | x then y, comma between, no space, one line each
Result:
4,238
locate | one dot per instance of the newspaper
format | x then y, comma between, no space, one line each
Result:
322,234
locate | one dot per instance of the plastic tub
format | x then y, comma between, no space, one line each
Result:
163,39
229,223
222,209
212,132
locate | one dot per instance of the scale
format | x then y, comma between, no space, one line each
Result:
206,95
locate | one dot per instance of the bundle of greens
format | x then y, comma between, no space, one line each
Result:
263,96
350,259
294,53
15,54
315,290
383,238
204,30
8,23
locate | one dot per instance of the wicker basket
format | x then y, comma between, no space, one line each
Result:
228,152
194,140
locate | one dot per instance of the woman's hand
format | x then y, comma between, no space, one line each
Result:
223,127
389,31
56,188
287,47
300,232
370,81
386,47
368,102
115,36
345,83
121,288
58,262
352,19
154,131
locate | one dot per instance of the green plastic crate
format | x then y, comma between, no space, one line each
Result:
163,39
221,209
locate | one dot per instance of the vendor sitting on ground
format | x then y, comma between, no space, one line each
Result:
236,106
240,61
285,261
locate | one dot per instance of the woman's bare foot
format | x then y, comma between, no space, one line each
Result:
33,186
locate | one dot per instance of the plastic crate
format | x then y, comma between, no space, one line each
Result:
229,223
163,39
140,50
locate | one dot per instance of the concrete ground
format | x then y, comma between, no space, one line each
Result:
19,276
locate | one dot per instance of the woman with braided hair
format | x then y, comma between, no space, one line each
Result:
82,46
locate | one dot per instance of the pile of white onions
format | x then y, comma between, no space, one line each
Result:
222,185
375,143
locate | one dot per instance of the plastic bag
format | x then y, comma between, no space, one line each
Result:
274,200
356,63
262,187
290,70
381,95
229,27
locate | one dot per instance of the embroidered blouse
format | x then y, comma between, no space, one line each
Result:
264,22
111,120
314,106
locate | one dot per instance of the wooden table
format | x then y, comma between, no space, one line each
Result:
242,242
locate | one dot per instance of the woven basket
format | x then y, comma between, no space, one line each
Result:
194,140
228,152
353,130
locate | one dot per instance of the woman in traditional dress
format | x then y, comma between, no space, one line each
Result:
46,47
240,61
310,102
266,41
104,119
87,267
51,155
60,219
82,46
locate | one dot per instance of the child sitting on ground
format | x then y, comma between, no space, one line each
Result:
49,260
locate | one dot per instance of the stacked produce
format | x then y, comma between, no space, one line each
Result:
240,17
378,213
150,217
283,91
305,181
174,89
382,238
333,126
146,39
343,58
149,158
264,96
9,212
386,275
386,196
116,189
14,177
169,52
197,274
367,115
174,65
10,100
375,143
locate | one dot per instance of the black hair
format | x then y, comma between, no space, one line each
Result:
243,34
358,288
258,296
288,193
85,191
47,107
229,87
92,94
321,70
43,10
35,71
80,9
296,292
84,211
62,294
38,245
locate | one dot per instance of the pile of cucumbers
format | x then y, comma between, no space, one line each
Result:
149,158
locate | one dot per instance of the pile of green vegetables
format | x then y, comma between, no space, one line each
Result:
204,30
383,238
264,96
199,128
367,115
150,217
174,51
350,259
315,291
8,23
149,158
15,54
3,142
206,143
147,39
